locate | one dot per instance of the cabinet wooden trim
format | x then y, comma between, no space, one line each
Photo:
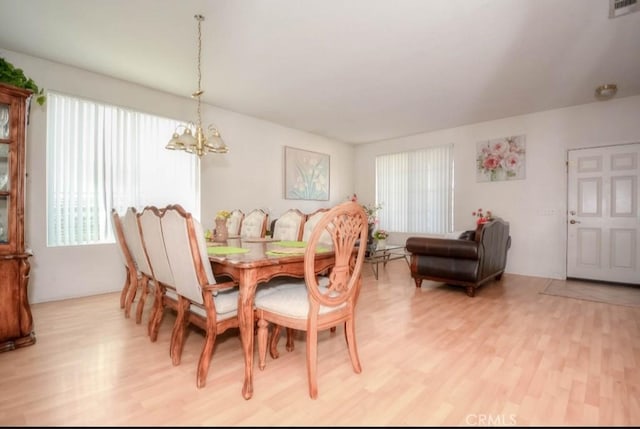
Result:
16,322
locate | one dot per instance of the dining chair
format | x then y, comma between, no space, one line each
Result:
166,295
133,235
211,306
254,224
312,220
131,271
289,226
235,222
314,305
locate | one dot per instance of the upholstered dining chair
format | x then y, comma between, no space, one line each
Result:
133,237
235,222
289,226
312,220
254,224
211,306
312,305
166,295
131,271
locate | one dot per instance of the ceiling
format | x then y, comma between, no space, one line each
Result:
354,70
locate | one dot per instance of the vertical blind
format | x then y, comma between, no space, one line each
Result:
101,157
416,190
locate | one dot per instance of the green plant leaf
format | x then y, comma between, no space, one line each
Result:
13,76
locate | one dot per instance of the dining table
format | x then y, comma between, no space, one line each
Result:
252,262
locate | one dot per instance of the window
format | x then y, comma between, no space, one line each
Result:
416,190
101,157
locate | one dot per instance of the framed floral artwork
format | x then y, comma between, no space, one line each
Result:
306,175
501,159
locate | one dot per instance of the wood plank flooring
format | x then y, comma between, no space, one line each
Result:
430,356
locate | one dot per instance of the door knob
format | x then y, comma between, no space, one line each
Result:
572,221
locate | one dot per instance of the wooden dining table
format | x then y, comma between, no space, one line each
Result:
253,268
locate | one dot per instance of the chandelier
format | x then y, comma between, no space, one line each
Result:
194,139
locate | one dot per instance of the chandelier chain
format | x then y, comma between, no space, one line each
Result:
199,18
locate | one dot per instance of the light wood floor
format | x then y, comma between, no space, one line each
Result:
430,356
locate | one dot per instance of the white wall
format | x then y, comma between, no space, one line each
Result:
249,176
536,206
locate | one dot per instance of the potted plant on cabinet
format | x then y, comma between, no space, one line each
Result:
16,77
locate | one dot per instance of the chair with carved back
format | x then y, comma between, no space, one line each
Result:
131,271
165,295
133,237
254,224
289,226
211,306
311,220
234,223
312,305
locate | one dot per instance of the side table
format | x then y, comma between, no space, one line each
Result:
384,254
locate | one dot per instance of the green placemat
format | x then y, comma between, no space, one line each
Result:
225,250
293,251
291,243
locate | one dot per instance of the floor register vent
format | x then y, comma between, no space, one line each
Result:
622,7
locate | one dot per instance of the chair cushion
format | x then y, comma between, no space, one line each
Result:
290,299
226,305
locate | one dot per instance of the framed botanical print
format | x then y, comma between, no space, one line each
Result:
306,175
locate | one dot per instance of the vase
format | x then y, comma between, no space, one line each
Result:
382,243
221,232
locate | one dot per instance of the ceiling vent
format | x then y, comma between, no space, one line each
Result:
622,7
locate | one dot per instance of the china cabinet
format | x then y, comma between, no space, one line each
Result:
16,322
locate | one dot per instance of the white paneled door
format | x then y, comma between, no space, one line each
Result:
603,228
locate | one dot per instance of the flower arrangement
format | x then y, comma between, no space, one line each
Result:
482,217
502,158
380,234
371,211
223,214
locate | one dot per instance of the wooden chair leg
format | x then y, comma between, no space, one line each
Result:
273,342
178,333
131,295
349,328
157,314
207,352
263,333
290,334
143,299
125,289
312,362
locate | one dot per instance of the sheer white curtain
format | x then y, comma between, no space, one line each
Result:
416,190
101,157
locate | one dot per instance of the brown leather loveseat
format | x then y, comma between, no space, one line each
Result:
470,261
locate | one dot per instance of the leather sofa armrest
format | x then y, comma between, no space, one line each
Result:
443,247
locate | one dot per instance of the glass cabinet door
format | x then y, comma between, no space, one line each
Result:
4,121
4,172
